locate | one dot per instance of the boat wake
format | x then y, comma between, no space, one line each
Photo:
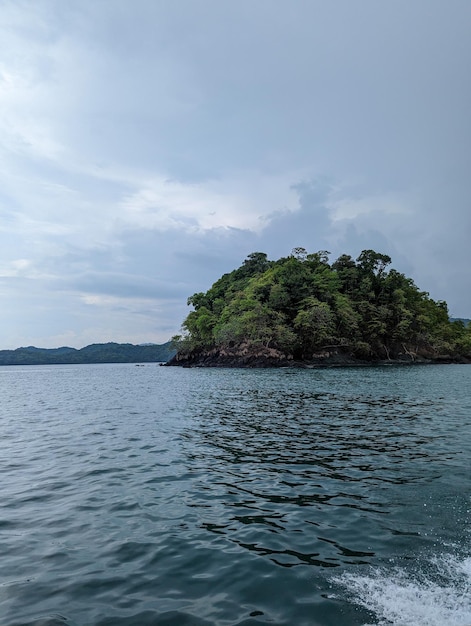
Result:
437,594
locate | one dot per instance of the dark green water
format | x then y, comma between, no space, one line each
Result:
134,496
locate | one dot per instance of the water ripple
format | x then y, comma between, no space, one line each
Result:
138,496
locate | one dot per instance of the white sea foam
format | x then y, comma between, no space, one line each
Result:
439,597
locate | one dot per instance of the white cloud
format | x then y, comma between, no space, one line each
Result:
243,202
377,206
17,267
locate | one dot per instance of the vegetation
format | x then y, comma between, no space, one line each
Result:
301,307
95,353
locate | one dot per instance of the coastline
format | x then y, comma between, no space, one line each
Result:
269,358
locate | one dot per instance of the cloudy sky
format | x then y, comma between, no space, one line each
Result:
148,146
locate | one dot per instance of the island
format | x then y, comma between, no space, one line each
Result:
302,310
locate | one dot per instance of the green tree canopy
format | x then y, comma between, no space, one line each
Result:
302,305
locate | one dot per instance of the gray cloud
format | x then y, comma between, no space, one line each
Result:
146,149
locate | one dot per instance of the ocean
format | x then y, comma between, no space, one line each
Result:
147,495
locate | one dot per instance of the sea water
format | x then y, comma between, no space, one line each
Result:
146,495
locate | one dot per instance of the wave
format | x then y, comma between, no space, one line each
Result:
436,593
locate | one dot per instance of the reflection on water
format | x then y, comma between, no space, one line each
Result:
221,497
278,462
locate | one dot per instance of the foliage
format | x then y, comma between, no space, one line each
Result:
302,305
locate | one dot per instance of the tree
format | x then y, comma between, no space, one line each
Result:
299,253
255,263
314,324
373,262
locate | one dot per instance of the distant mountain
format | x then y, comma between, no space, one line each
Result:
94,353
465,320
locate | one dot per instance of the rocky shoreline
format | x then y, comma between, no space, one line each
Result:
244,357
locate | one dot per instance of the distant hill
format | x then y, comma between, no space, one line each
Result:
465,320
95,353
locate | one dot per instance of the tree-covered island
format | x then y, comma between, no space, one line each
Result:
303,310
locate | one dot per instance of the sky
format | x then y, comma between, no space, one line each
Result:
148,147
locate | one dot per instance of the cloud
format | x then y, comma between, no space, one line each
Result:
144,151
